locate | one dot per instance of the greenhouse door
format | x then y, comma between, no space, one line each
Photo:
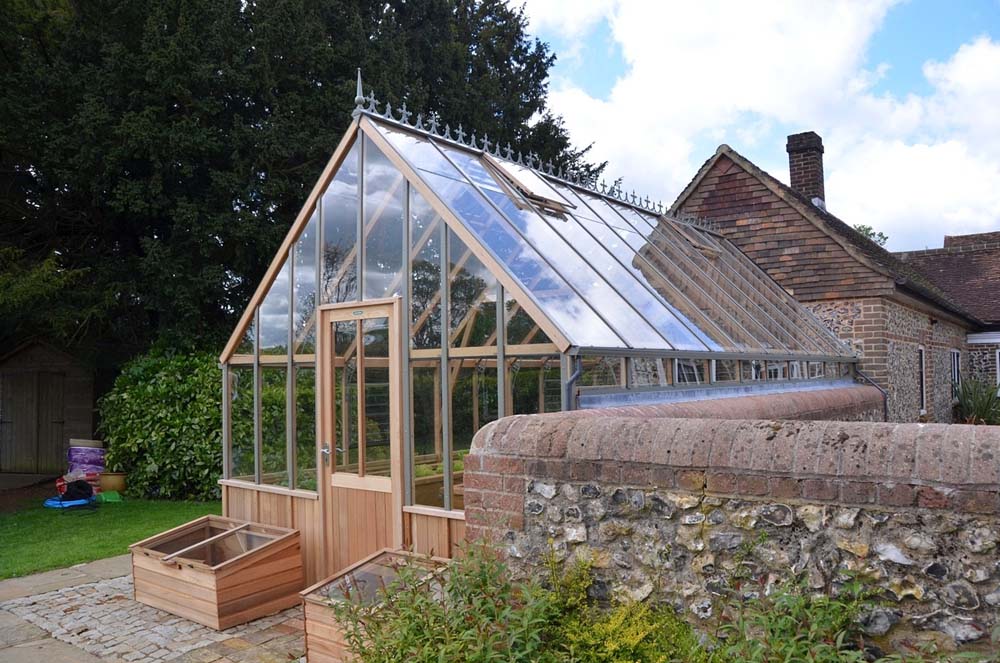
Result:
360,401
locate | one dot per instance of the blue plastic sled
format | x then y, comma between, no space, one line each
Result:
56,503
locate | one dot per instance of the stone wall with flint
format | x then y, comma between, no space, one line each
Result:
688,510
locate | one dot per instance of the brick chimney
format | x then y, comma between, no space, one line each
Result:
805,164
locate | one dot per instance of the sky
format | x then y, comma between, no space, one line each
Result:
905,94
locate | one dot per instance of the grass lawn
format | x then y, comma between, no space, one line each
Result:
35,539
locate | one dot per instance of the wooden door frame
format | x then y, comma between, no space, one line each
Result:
391,309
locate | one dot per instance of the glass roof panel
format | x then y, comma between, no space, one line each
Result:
607,274
615,307
801,336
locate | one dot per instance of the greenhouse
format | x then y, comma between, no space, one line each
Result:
435,281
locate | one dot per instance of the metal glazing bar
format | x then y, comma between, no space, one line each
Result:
445,365
290,443
258,439
359,254
501,334
227,423
404,348
362,400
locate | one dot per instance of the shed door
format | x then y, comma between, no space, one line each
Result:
360,430
51,451
18,416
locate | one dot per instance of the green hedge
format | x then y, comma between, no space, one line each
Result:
162,424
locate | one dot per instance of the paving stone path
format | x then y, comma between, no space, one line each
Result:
101,619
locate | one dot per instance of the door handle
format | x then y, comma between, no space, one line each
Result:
325,450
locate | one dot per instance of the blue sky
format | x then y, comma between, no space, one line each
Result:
905,94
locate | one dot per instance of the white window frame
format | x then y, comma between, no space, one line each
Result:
956,371
997,357
922,374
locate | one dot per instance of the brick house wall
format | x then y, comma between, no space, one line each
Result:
844,285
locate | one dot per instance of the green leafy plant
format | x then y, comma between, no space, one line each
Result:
477,613
162,425
978,403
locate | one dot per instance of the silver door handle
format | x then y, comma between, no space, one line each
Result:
325,450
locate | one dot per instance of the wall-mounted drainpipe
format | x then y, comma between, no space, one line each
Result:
568,398
885,394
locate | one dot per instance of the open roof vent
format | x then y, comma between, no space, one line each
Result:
528,185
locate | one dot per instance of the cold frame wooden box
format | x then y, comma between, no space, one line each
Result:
218,571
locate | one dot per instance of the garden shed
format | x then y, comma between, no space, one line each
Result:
46,398
435,281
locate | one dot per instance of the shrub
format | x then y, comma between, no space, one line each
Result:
978,403
162,425
479,614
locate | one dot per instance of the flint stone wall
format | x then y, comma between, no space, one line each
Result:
667,509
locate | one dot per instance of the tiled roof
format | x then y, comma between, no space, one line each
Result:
905,275
967,269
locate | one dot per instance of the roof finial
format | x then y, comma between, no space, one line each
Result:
359,99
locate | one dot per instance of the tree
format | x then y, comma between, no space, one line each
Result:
154,152
869,232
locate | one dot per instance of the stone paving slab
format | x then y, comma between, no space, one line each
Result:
101,619
46,651
16,631
112,567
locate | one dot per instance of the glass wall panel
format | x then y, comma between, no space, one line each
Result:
274,312
473,405
340,232
241,422
345,362
304,306
534,385
777,370
425,273
274,466
815,370
522,329
565,307
425,422
246,345
648,372
751,370
601,372
375,349
726,370
305,427
385,191
691,371
473,291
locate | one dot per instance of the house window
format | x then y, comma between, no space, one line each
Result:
956,372
921,367
815,370
777,370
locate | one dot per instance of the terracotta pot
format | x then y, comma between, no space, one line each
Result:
113,481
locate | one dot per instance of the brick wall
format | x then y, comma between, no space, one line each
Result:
797,254
661,506
886,336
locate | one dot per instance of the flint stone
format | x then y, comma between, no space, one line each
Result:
719,541
546,490
887,552
920,542
778,515
575,533
961,595
878,621
590,491
961,631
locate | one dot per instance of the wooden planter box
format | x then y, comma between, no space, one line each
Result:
325,642
218,571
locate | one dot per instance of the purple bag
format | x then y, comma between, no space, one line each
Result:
86,459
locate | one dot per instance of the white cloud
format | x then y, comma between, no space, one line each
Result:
703,73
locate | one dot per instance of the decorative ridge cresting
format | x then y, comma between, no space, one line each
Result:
431,125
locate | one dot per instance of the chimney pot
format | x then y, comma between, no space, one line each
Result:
805,164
